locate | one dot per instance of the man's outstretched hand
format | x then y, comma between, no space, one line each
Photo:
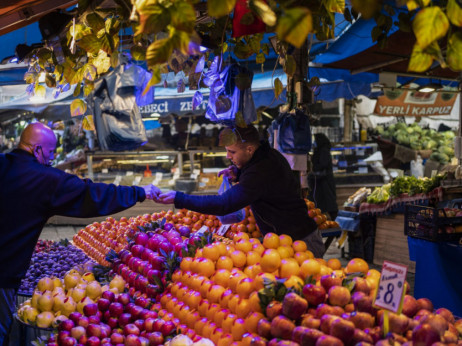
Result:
167,197
230,173
152,192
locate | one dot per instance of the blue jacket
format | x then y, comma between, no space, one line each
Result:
31,193
268,185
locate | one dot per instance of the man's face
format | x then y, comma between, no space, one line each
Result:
239,154
46,153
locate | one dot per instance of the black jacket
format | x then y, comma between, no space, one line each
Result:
31,193
267,184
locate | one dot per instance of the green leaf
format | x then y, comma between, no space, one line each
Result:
153,19
242,50
87,89
40,91
254,44
78,107
412,4
79,31
430,24
454,52
107,43
224,49
367,8
77,76
138,53
90,43
278,87
260,58
295,25
158,52
219,8
265,49
264,11
420,61
183,16
50,81
454,12
155,79
290,65
180,41
94,21
335,6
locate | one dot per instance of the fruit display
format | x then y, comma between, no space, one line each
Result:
413,136
55,299
320,218
51,259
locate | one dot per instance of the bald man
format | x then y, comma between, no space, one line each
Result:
31,192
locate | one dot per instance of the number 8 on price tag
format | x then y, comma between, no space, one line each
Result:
391,288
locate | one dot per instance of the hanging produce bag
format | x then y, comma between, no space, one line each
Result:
118,121
234,217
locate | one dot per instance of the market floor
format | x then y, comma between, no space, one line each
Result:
57,232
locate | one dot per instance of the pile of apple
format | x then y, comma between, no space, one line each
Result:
320,218
54,299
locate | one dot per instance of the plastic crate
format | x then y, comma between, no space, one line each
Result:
430,223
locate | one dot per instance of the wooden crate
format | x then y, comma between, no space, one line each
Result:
390,241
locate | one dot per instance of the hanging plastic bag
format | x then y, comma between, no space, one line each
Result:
234,217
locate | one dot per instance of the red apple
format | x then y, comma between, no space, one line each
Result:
69,341
424,335
342,329
167,328
360,336
140,324
314,294
75,316
446,314
294,306
124,319
339,296
425,303
410,306
123,298
94,319
328,340
94,330
156,338
273,309
328,281
109,295
326,323
310,321
77,332
83,321
62,334
361,285
66,325
264,328
282,327
149,324
132,340
362,320
131,329
324,309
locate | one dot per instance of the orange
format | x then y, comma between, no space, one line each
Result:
374,273
258,248
234,279
253,270
254,241
310,254
225,298
357,265
300,257
211,252
220,317
221,248
185,264
285,239
310,267
200,325
256,234
321,261
241,228
208,329
240,235
216,335
212,311
243,308
214,293
206,267
254,301
334,264
224,262
295,282
194,299
205,287
239,258
252,258
232,304
225,340
244,287
283,251
251,227
271,241
299,246
228,322
325,270
198,253
203,307
192,318
221,277
243,245
270,260
252,320
238,329
289,267
259,280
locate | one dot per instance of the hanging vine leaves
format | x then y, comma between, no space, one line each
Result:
454,12
40,91
295,25
367,8
95,21
420,61
278,87
88,124
50,81
290,66
413,5
337,6
183,16
430,24
102,62
264,11
155,79
90,43
219,8
78,107
153,19
454,53
138,53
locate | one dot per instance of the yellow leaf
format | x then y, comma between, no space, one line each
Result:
412,4
153,19
420,61
155,79
183,16
78,107
158,52
295,25
219,8
102,62
454,53
239,120
260,58
290,66
335,6
429,25
88,123
40,91
454,12
224,48
265,12
278,87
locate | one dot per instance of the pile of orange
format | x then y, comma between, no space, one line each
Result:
248,225
320,218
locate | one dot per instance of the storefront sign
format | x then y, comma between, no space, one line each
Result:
414,103
390,292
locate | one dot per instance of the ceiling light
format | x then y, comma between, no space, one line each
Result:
428,88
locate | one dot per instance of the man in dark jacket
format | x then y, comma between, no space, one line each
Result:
31,192
265,182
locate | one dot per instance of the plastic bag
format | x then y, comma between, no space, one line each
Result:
234,217
417,169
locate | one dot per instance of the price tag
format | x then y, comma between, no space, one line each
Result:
137,180
223,229
129,173
176,175
202,230
105,171
390,292
194,176
159,176
117,180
